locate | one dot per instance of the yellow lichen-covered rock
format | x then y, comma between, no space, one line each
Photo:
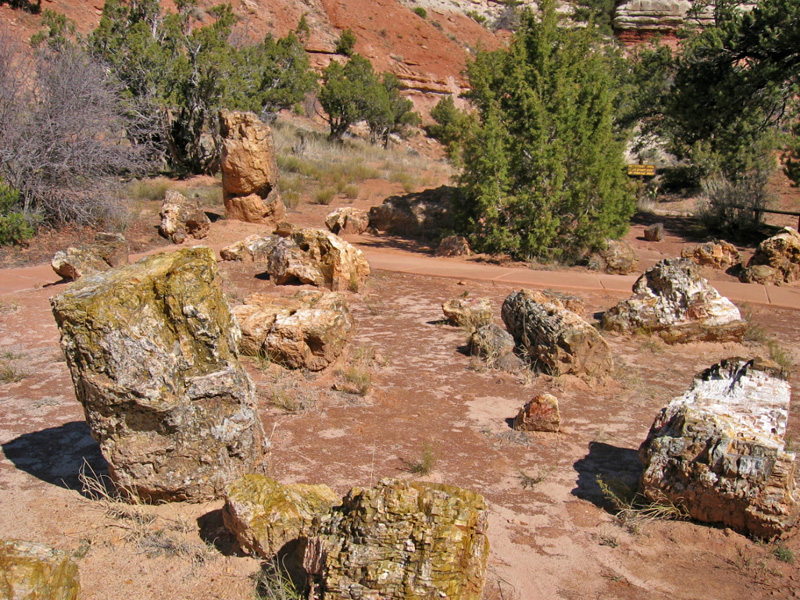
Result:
152,350
265,515
404,541
29,571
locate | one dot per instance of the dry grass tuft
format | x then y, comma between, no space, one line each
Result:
426,461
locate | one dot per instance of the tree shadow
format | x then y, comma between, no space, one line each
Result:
56,455
212,531
34,7
687,228
611,464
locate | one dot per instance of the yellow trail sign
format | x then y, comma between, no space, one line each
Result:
642,170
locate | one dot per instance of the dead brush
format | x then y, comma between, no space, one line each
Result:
632,509
357,378
528,481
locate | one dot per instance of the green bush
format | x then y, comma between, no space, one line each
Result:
14,226
346,43
421,12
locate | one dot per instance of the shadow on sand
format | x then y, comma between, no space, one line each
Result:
610,463
56,455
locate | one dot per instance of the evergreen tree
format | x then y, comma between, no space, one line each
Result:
543,172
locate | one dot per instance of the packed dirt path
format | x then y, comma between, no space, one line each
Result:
552,530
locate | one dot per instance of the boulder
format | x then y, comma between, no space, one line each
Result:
249,169
781,253
182,218
108,250
617,258
718,255
347,220
453,245
556,340
307,331
539,414
29,571
318,258
266,516
401,540
491,342
424,214
674,301
468,312
253,248
718,451
654,233
151,348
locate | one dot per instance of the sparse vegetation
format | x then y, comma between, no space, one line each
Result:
425,463
528,481
632,509
420,12
783,554
273,583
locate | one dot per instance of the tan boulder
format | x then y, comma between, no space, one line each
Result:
267,516
616,258
107,251
781,253
718,451
654,233
556,340
539,414
674,301
424,214
152,350
468,312
249,169
307,331
719,255
401,540
453,245
347,220
29,571
182,218
253,248
318,258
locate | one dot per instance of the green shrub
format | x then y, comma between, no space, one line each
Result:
324,195
15,228
421,12
346,43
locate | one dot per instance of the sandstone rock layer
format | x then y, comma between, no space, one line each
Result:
556,340
31,571
151,348
718,450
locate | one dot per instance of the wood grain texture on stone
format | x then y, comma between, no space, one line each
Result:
33,571
405,541
266,515
539,414
718,451
182,218
152,350
776,260
557,340
719,255
674,301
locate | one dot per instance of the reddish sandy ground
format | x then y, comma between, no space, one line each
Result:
557,539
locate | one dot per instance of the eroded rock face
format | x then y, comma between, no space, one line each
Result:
249,169
29,571
557,340
108,250
674,301
400,540
347,220
539,414
265,515
151,348
318,258
307,331
418,215
719,255
617,258
468,312
718,450
776,261
182,218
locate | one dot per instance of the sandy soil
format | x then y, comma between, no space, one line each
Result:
556,539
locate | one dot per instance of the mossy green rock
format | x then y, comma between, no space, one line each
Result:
266,515
151,348
409,541
31,571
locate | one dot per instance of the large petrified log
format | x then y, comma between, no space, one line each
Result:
404,541
674,301
557,340
151,348
29,571
249,169
776,260
182,218
718,450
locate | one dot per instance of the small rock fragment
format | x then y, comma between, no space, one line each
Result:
539,414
